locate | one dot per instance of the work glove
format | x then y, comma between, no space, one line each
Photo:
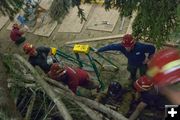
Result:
49,60
95,50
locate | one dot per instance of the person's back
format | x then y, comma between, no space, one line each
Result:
41,59
16,34
72,77
76,77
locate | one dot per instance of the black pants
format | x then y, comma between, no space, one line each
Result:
133,71
20,40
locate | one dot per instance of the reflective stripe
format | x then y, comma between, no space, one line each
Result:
72,70
170,65
143,85
147,86
171,70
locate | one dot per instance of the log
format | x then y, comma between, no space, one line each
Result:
48,89
129,29
96,39
122,24
94,105
30,108
92,114
56,84
8,110
113,37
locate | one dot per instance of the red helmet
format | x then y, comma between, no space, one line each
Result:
164,67
128,41
28,48
143,84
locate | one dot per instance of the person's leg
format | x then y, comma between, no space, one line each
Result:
90,85
138,111
133,71
143,69
20,40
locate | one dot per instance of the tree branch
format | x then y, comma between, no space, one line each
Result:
60,105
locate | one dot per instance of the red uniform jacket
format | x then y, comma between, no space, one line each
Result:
15,34
74,77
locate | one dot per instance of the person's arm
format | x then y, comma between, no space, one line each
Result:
117,47
172,95
19,32
32,62
149,49
138,111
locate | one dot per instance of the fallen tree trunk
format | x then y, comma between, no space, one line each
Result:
92,114
48,89
94,105
8,110
96,39
30,108
113,37
64,91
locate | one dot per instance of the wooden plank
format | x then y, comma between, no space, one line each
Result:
46,29
72,22
122,23
113,37
3,20
95,2
103,20
96,39
46,4
129,29
9,27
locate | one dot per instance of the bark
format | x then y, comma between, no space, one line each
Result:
113,37
93,105
30,108
57,100
90,103
64,91
96,39
7,106
92,114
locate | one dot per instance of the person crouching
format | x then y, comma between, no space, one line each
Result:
72,77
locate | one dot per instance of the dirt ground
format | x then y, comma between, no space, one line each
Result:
58,39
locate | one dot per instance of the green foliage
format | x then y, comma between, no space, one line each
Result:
155,20
76,112
175,35
60,8
10,7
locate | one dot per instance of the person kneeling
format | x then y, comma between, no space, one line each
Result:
72,77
